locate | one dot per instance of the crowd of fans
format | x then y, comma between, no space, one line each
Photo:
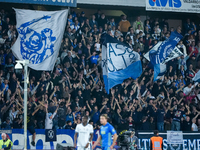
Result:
75,88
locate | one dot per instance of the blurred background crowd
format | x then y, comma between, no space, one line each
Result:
75,87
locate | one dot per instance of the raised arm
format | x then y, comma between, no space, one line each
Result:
88,106
117,103
35,111
102,108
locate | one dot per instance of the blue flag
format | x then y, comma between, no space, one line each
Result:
119,62
157,57
164,50
40,37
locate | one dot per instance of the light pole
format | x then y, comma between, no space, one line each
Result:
25,63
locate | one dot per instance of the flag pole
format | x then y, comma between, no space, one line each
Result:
25,102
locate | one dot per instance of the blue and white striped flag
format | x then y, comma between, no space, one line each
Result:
119,62
40,36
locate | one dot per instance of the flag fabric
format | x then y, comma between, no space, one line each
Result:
159,71
50,135
164,50
39,37
174,54
162,53
196,78
119,62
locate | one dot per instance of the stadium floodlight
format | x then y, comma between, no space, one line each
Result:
19,64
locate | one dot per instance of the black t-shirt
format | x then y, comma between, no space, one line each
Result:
186,126
16,125
40,116
30,120
62,113
178,114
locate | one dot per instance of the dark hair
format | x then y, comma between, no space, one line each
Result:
68,121
155,132
86,117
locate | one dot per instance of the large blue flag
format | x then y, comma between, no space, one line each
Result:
40,37
119,62
164,50
159,55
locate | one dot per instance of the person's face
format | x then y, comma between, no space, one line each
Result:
130,119
46,96
96,108
78,121
108,110
191,67
182,57
69,54
124,17
13,109
66,88
3,137
6,81
190,85
125,91
102,16
93,17
84,120
103,120
69,30
87,113
79,92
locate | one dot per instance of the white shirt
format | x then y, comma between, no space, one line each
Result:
49,122
187,90
83,134
194,126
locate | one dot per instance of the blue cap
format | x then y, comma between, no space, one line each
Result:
49,114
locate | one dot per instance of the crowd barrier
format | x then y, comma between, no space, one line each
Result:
191,140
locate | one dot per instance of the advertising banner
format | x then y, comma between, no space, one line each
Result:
190,6
191,140
70,3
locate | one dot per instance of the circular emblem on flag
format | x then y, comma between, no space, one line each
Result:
36,46
51,134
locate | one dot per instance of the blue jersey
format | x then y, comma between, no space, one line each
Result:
106,133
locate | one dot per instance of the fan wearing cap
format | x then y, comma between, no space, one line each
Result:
82,18
5,143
